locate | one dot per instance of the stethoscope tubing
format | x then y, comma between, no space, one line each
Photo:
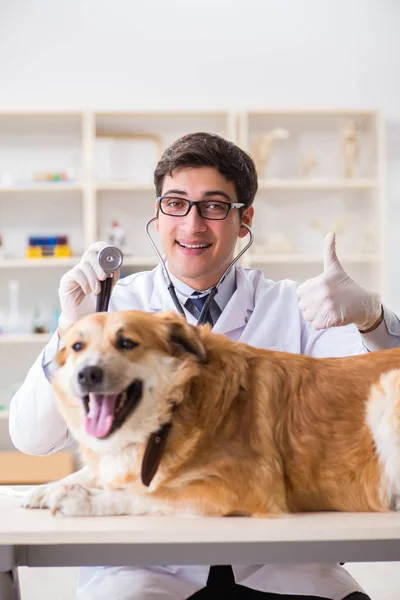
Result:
103,298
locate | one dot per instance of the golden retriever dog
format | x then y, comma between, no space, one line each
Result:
173,418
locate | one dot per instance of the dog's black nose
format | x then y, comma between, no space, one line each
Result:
90,377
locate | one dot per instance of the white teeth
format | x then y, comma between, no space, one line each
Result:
91,407
122,400
193,246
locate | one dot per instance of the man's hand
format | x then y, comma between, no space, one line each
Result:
333,298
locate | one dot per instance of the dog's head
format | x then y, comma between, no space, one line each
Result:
124,372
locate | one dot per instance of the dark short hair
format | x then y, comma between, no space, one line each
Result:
210,150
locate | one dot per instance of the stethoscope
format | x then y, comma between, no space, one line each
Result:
212,292
110,259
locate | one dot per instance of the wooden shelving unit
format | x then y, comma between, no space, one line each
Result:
297,207
83,142
82,208
318,184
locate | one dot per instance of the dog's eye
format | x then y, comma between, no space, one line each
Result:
78,346
126,344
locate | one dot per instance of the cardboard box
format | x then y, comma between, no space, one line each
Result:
18,468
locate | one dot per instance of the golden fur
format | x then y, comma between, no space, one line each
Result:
254,432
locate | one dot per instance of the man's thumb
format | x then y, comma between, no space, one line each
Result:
330,256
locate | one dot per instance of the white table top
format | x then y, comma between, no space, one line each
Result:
297,538
22,526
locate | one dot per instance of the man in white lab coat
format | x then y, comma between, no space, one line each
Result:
199,181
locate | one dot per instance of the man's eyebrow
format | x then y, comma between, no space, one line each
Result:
206,194
217,193
180,192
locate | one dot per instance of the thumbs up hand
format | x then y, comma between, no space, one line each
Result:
333,298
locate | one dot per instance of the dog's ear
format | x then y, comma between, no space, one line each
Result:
186,338
56,362
60,357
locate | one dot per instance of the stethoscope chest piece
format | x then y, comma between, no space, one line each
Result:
110,259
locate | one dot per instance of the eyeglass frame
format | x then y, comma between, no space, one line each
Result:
197,204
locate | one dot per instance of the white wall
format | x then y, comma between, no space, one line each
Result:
209,53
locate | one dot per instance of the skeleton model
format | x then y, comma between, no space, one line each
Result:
308,163
277,243
350,148
339,226
262,147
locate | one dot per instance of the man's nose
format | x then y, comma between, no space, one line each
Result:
193,221
90,377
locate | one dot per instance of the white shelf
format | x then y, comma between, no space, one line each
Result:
259,259
34,263
301,112
317,184
21,113
32,338
130,186
42,188
161,113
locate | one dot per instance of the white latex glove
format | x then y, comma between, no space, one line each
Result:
80,286
333,298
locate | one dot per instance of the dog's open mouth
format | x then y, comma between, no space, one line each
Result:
107,412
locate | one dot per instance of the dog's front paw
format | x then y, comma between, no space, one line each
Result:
72,501
39,496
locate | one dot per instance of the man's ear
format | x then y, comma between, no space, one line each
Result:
184,338
247,217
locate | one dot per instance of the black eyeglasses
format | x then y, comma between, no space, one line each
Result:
215,210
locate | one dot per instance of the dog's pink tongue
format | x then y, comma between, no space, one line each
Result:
101,414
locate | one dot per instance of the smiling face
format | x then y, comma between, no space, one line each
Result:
200,267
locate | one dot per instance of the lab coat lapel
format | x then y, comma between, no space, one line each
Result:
160,297
239,308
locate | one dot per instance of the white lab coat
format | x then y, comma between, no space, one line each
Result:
262,313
